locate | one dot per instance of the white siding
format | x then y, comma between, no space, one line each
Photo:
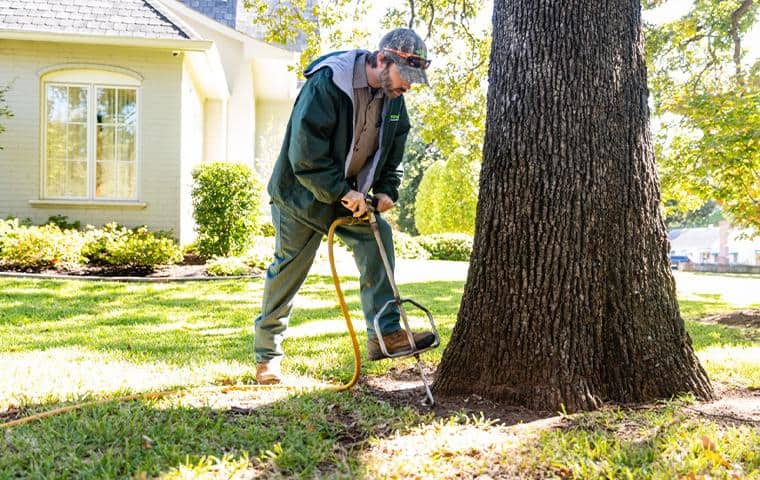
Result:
160,149
192,150
271,122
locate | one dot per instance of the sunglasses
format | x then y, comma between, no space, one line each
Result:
414,61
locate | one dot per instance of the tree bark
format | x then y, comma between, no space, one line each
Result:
570,301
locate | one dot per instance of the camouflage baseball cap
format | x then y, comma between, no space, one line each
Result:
409,52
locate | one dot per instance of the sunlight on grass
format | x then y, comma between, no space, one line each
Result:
68,374
656,443
458,447
735,291
735,365
209,467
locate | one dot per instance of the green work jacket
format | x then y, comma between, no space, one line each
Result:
308,179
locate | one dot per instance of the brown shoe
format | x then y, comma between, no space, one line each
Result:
268,373
397,342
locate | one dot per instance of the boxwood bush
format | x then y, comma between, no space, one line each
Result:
226,208
143,249
447,246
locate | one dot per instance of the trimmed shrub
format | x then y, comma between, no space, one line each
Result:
447,246
227,267
407,246
447,197
42,247
142,249
119,246
100,241
49,246
226,208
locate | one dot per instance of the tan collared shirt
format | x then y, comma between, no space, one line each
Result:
368,109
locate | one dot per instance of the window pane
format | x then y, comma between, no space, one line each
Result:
127,143
56,171
57,103
66,141
105,180
106,143
106,105
77,104
127,111
76,179
127,184
56,140
76,148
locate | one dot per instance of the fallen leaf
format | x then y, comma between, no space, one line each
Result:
707,443
147,442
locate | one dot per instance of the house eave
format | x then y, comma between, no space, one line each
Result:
185,45
254,48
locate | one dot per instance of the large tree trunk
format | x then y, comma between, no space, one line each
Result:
570,300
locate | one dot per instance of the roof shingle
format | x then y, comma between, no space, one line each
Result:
124,18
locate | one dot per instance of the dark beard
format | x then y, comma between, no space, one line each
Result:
387,84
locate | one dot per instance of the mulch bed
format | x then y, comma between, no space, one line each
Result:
191,268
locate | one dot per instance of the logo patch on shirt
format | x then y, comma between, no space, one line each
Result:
395,117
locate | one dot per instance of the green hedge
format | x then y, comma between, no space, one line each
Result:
447,197
447,246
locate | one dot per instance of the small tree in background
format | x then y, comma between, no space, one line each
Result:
418,158
447,196
5,112
226,199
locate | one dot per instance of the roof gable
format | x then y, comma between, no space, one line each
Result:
122,18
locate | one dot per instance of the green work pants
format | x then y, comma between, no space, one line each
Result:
296,246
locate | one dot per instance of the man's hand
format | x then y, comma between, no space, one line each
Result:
354,201
384,202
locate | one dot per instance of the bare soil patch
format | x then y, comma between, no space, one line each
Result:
740,318
403,387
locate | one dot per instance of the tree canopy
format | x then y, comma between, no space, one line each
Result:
708,96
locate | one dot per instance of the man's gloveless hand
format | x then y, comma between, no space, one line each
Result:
354,201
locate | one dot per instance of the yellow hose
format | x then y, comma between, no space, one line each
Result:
165,393
343,307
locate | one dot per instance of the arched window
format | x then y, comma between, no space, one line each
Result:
90,134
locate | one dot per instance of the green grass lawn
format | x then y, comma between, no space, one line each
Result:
68,341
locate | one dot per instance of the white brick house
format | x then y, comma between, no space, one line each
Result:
116,101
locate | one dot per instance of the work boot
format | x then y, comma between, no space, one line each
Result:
268,373
397,342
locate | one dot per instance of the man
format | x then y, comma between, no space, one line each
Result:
345,138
